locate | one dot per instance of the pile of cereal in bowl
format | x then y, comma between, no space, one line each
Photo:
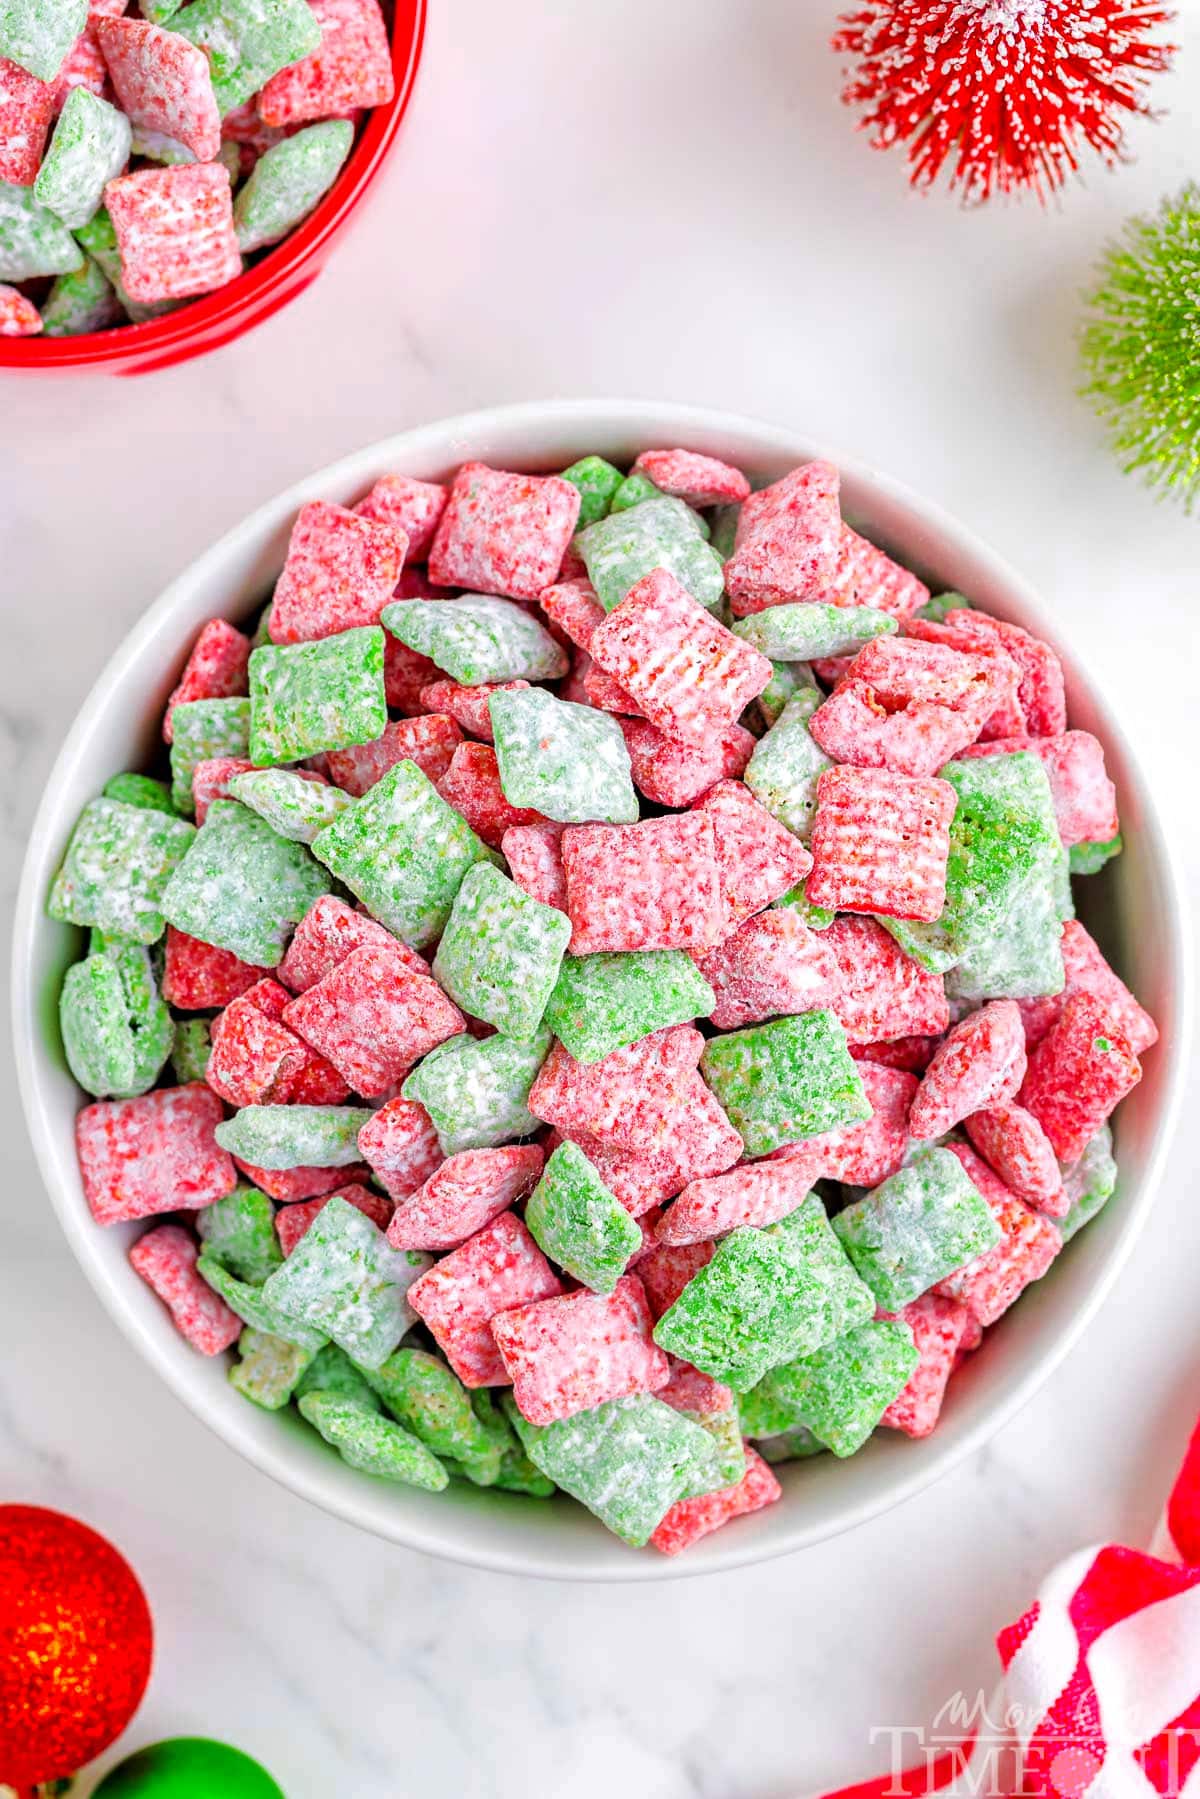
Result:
597,1003
145,160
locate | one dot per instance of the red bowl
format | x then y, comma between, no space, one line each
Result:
283,274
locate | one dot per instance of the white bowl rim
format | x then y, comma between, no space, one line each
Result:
455,435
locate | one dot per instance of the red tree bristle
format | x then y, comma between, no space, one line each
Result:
1003,93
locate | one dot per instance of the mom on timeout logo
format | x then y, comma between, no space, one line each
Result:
981,1748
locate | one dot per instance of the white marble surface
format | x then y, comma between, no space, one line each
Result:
663,200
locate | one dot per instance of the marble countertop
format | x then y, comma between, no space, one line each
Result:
666,201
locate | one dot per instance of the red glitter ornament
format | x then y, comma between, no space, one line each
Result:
1002,92
75,1644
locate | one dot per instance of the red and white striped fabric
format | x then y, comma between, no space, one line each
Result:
1100,1697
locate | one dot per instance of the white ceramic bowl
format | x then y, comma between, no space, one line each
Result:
118,728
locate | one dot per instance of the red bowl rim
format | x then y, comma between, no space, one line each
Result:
214,319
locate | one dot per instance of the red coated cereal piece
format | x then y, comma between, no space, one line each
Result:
691,1519
211,778
865,576
884,993
771,966
758,858
672,773
166,1260
402,1147
911,706
325,936
757,1193
351,67
666,1271
938,1326
157,1153
215,670
697,480
980,1063
341,571
502,533
866,1153
406,672
413,507
574,608
641,1182
685,671
1028,1244
619,1098
471,784
291,1184
1014,1145
19,317
1085,800
85,65
912,1054
374,1016
534,857
1079,1071
498,1268
1041,692
316,1082
880,843
198,976
462,1195
293,1221
607,695
429,742
788,541
1088,972
254,1058
653,885
688,1390
26,109
174,231
162,83
467,706
574,1352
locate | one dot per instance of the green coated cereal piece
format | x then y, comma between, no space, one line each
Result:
817,918
1022,961
765,1296
788,678
269,1368
82,301
579,1223
478,638
939,605
118,866
628,1461
603,1001
344,1279
429,1400
632,491
192,1048
566,761
597,482
293,807
247,41
843,1390
310,697
37,34
241,887
477,1092
262,630
332,1371
90,146
917,1227
1090,1183
1090,858
403,851
1003,840
785,1080
795,1445
159,11
202,730
724,529
141,790
294,1136
726,1432
802,633
253,1309
517,1473
286,183
764,1410
501,952
33,240
373,1444
116,1030
661,533
786,765
239,1232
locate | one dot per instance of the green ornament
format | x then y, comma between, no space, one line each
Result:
184,1768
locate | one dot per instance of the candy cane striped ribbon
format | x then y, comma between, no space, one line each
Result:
1100,1697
